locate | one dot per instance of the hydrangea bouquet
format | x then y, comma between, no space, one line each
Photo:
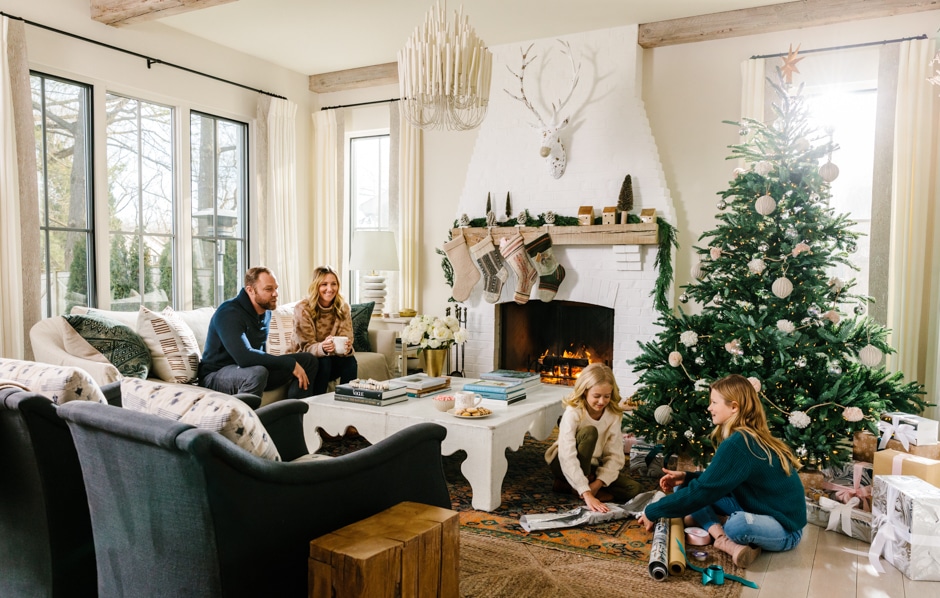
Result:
430,332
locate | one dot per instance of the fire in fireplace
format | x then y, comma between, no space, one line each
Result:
556,339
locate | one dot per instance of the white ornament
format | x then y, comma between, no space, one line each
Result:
836,284
801,248
782,287
697,270
756,266
738,172
755,383
663,415
829,172
786,326
688,338
799,419
852,414
870,355
765,205
801,144
763,167
675,359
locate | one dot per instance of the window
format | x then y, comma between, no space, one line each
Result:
219,183
141,201
62,116
368,188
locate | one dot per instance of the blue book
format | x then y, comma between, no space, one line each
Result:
511,375
498,387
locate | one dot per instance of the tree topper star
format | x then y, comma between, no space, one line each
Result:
789,63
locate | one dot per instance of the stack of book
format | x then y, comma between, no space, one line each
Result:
497,390
422,385
382,394
527,379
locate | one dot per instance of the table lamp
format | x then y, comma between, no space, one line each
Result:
374,250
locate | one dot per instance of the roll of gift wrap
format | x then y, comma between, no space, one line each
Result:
676,560
659,552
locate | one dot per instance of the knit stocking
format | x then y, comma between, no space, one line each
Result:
551,273
465,274
493,267
513,249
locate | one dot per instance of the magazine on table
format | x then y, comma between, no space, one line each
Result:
422,381
364,391
526,378
369,401
495,387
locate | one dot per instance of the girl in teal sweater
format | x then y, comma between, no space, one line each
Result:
750,496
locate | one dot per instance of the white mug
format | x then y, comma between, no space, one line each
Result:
339,344
466,400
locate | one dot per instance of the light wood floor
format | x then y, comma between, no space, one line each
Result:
830,565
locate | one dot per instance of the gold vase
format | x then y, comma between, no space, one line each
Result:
434,361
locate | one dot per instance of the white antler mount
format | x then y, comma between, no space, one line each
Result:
552,149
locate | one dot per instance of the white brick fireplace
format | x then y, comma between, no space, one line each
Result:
608,137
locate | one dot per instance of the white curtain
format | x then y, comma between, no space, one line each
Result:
410,193
19,219
914,271
327,236
752,88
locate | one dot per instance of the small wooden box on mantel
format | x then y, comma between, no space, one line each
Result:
586,215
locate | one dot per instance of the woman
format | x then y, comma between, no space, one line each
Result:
750,496
323,315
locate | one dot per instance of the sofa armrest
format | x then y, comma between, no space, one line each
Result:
383,341
284,421
112,393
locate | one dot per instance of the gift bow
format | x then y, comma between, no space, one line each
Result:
839,512
905,433
891,531
845,493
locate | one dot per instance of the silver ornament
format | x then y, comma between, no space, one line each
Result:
859,309
720,315
718,299
744,131
699,360
813,310
851,247
763,247
758,359
689,434
800,362
684,298
791,232
801,451
721,205
835,368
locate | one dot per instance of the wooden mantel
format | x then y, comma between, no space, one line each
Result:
596,234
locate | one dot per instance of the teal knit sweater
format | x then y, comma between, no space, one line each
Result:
739,468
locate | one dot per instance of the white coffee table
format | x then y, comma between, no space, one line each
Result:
485,440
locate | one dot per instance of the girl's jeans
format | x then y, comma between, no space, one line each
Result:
742,527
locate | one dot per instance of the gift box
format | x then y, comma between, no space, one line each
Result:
841,518
852,480
648,460
892,462
812,479
906,526
865,445
907,428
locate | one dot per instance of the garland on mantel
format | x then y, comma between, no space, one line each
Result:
667,241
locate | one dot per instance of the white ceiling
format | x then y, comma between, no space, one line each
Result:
320,36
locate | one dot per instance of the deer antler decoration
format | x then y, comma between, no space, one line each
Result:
552,148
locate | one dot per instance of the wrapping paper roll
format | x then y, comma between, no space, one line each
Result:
676,558
659,551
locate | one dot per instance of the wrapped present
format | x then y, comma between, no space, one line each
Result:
906,526
841,518
865,445
892,462
648,460
812,479
853,480
908,429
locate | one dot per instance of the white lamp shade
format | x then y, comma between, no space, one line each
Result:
374,250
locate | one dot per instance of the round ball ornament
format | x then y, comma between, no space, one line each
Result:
800,362
851,247
663,415
718,299
870,355
791,232
829,172
765,205
684,298
835,368
763,167
782,287
697,271
801,451
721,205
699,360
763,247
689,434
859,309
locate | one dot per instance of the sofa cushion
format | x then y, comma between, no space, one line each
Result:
172,344
281,330
202,408
59,383
119,343
361,316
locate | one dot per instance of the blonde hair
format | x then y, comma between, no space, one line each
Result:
750,420
313,307
591,376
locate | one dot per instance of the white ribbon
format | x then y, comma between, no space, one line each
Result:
905,433
839,512
891,531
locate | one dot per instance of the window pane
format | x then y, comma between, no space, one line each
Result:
368,190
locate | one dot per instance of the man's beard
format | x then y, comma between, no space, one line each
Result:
270,304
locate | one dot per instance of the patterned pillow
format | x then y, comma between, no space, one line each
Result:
361,315
172,345
60,383
281,330
202,408
119,343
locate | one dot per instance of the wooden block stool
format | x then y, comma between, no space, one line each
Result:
409,550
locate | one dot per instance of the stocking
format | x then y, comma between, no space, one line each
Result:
513,249
551,273
494,270
465,274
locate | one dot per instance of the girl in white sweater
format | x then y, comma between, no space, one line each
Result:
588,455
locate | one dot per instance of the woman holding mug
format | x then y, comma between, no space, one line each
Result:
323,326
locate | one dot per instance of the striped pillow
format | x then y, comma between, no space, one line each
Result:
281,330
172,344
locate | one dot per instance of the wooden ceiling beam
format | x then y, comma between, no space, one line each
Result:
124,12
366,76
775,17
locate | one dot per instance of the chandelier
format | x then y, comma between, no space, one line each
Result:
444,74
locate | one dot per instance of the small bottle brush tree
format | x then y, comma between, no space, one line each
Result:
771,312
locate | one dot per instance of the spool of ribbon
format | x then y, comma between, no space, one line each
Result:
696,536
714,573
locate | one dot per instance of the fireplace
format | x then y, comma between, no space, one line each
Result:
556,339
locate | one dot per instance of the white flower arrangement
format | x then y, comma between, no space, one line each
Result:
430,332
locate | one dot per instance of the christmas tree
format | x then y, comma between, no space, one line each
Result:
771,312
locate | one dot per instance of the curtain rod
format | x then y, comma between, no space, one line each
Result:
848,47
150,61
360,104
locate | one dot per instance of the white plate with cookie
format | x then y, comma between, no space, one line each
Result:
471,412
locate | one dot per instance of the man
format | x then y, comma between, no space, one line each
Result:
234,360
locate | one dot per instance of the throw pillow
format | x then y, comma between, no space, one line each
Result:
172,345
202,408
60,383
281,330
361,315
119,343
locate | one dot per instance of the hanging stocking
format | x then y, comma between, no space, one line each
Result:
494,269
551,273
513,249
465,274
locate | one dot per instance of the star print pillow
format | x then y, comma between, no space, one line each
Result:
201,408
59,383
